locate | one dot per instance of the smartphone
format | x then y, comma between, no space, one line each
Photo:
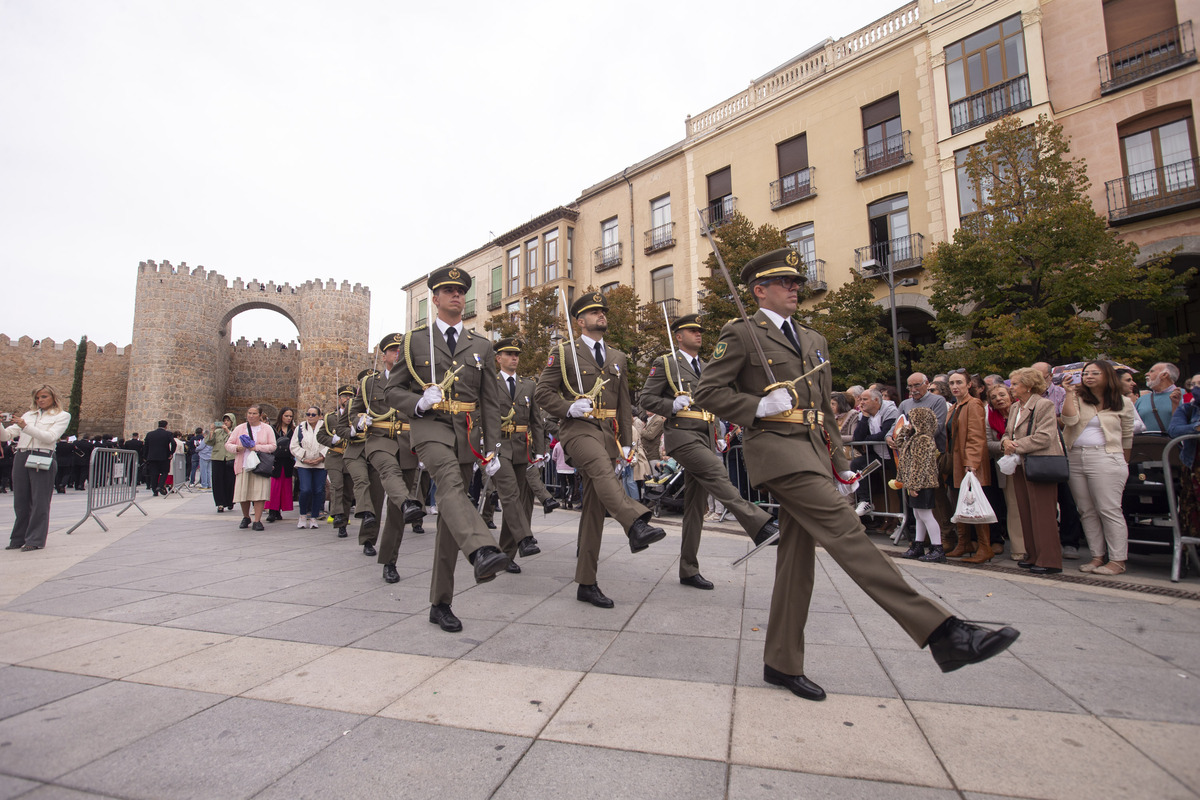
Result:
1077,378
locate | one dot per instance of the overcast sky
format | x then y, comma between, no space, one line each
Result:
358,140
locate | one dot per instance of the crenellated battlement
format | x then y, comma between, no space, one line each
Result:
47,344
243,342
165,269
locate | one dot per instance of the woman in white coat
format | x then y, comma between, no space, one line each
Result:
310,467
37,432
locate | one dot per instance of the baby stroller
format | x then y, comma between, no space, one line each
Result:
666,491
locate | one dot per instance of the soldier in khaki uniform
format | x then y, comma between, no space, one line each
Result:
436,404
368,495
689,437
793,448
596,435
340,482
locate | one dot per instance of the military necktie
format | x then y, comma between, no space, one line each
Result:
791,337
599,355
696,365
512,388
451,339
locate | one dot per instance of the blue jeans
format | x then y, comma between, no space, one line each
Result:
205,473
312,491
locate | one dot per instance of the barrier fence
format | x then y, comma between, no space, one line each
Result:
1179,540
112,481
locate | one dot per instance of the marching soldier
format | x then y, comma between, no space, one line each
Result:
587,388
389,455
446,373
793,448
340,482
689,437
368,496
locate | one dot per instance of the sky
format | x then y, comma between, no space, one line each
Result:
358,140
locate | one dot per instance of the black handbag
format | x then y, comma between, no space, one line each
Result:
265,465
1046,469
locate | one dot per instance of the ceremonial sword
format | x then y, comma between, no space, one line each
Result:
671,339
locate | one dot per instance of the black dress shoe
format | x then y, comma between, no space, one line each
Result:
957,643
339,520
342,532
766,532
14,546
491,525
220,509
590,593
258,526
796,684
417,528
549,504
697,580
367,517
1025,564
527,547
513,568
412,510
389,573
1036,570
443,617
245,523
487,561
642,534
30,547
369,550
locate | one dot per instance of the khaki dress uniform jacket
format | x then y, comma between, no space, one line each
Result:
591,444
512,481
341,484
440,438
793,461
690,442
368,490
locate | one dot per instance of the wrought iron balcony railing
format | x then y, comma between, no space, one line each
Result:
892,152
494,299
672,305
990,104
1154,55
815,270
660,238
607,257
1153,193
718,212
900,254
469,309
794,188
421,322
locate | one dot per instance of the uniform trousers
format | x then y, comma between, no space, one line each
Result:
534,476
354,462
602,491
368,532
32,492
812,512
512,482
337,483
393,522
705,475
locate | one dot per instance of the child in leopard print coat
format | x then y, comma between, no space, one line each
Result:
916,468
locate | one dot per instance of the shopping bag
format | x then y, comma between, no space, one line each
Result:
973,507
250,461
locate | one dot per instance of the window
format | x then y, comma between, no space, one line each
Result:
720,196
970,196
662,284
469,301
985,75
795,178
888,219
531,262
662,233
422,311
610,245
514,270
570,253
497,277
570,293
608,287
803,239
1159,155
513,308
882,134
893,246
551,249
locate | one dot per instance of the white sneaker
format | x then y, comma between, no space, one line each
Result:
312,523
432,511
862,509
301,523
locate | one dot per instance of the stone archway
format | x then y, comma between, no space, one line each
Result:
179,369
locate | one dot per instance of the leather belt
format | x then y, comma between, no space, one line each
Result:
509,430
798,416
388,428
454,407
688,414
339,448
603,413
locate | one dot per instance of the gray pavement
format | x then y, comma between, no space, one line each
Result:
176,657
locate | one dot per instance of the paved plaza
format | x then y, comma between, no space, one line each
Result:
176,656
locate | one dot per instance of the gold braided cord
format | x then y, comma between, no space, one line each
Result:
671,383
408,361
391,413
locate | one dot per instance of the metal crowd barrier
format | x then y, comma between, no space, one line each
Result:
179,474
112,480
1179,541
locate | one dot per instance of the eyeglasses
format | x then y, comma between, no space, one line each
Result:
786,283
1092,374
310,414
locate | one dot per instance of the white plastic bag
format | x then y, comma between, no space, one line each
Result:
250,461
1008,464
973,507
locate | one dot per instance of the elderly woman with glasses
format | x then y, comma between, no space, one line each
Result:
310,467
1033,430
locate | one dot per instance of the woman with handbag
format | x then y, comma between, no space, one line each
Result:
1032,433
255,440
966,441
1098,433
999,405
284,474
34,467
309,457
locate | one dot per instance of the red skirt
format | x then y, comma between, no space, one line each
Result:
281,495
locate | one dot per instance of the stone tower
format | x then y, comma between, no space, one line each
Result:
179,369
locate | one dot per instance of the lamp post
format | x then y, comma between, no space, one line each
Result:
867,266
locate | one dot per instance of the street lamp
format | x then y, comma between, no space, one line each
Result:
868,266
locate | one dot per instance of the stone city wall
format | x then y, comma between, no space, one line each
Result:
26,364
261,373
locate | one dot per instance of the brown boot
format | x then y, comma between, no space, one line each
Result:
984,551
963,545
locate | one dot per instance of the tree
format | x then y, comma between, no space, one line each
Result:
533,326
739,242
76,402
1029,276
849,318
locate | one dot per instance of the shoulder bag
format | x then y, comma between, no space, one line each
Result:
1046,468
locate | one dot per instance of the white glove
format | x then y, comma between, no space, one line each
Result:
721,445
420,465
625,451
847,488
681,402
777,402
539,459
620,468
362,423
335,438
492,466
580,408
432,396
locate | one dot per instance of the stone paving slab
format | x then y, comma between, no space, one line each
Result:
328,682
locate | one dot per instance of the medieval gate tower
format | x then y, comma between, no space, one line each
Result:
180,365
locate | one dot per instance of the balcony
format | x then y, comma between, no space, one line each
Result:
793,188
814,268
900,254
877,157
1147,58
990,104
494,299
1153,193
607,257
718,212
421,322
469,309
660,238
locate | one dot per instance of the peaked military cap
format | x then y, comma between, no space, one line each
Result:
449,276
347,390
389,341
588,302
782,263
685,322
365,373
509,345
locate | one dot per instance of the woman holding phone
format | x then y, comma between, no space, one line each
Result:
34,467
